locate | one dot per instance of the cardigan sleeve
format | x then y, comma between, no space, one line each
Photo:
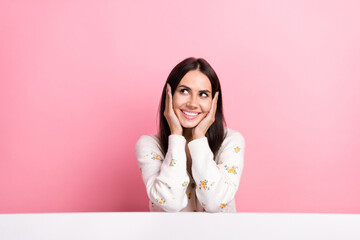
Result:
217,183
165,179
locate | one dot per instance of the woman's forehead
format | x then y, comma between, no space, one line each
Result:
196,80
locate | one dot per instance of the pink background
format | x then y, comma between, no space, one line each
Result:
80,82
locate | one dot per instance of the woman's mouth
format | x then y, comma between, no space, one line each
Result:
190,115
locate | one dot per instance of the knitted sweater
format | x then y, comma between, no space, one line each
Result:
171,188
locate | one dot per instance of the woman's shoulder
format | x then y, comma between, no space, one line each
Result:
148,141
233,140
231,133
148,148
232,136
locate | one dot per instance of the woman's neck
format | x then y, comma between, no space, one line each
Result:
187,132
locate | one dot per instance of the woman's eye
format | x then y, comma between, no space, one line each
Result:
203,94
184,91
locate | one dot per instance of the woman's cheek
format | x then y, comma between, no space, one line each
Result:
177,100
177,111
206,107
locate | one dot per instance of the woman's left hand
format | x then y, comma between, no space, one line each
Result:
200,130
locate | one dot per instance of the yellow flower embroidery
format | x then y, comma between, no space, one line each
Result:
223,205
185,184
160,201
231,169
237,149
203,185
172,162
155,156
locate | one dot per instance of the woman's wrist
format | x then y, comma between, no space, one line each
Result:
197,136
176,133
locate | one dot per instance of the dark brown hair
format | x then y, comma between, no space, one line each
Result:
215,133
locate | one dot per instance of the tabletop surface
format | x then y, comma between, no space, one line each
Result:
140,225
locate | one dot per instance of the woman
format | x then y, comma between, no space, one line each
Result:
194,163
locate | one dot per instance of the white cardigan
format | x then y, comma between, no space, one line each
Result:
214,184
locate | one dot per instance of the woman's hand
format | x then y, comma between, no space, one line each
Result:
173,121
200,130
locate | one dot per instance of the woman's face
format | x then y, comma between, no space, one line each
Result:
192,98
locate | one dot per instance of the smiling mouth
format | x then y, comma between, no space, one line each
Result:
190,115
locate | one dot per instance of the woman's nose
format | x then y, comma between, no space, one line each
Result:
192,102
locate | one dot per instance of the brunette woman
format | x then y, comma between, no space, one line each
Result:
195,162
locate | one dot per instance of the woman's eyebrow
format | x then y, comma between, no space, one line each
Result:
205,91
184,86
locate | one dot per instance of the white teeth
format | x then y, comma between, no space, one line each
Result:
190,114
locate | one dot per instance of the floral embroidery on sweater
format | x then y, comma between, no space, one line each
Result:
236,149
203,185
231,169
185,183
155,156
160,201
222,205
172,162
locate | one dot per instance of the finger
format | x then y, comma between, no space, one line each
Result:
170,97
216,96
214,103
167,97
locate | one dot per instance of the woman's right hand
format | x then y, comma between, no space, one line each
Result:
173,121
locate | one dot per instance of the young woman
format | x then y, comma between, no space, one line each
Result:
194,163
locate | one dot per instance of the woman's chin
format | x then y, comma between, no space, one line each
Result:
188,125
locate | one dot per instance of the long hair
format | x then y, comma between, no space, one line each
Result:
215,133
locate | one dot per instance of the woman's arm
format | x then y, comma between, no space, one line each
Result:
165,179
217,183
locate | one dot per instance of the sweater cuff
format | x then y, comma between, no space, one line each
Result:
200,150
176,142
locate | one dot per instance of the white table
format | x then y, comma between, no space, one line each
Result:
144,225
